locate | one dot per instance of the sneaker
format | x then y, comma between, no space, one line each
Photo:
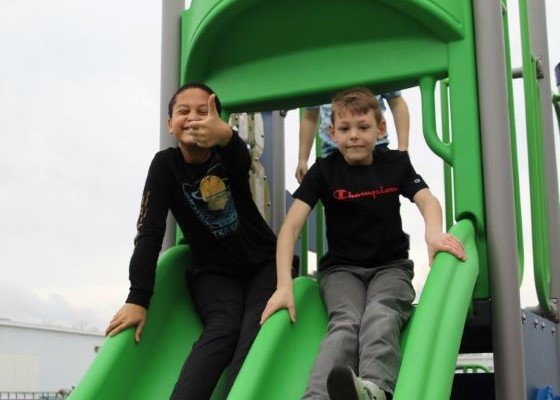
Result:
343,384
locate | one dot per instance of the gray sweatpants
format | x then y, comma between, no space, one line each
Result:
367,309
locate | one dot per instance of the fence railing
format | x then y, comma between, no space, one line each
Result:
59,395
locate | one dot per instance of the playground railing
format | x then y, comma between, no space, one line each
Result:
537,178
471,369
24,395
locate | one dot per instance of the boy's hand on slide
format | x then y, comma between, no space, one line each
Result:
129,315
445,242
281,298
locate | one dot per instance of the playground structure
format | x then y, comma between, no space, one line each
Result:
243,49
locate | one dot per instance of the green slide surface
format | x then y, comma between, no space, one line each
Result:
148,370
282,356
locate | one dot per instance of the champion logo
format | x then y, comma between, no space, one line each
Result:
343,194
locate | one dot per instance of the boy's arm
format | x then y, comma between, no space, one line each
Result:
283,297
436,239
401,117
307,129
147,244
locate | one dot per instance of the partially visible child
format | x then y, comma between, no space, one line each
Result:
366,276
313,115
204,182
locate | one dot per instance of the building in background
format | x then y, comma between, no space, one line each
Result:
38,358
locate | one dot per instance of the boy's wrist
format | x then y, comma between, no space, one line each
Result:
284,283
226,135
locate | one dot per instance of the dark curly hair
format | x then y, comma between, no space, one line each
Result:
192,85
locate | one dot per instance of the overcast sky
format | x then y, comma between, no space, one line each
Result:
79,124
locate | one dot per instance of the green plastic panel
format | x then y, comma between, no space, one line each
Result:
298,52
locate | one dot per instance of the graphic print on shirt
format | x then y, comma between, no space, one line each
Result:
211,201
143,210
344,194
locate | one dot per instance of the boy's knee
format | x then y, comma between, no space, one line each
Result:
223,328
344,323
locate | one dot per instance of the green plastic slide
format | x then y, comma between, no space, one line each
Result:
148,370
282,356
283,353
432,338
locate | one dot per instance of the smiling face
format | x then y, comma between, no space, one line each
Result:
190,105
356,134
357,124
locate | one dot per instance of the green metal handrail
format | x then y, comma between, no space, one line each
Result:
446,137
443,150
537,179
514,158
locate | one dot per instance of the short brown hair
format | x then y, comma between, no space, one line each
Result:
358,100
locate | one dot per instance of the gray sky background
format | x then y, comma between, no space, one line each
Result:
79,124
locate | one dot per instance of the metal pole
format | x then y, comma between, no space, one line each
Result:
170,64
273,161
507,334
278,189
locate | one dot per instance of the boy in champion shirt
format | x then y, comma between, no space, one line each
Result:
366,276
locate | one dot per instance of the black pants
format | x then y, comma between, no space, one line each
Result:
230,309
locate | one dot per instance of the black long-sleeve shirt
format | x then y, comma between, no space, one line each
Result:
233,240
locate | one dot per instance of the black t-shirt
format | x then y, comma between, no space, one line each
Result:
362,207
213,206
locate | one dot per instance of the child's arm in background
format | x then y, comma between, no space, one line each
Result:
307,128
401,118
436,239
283,297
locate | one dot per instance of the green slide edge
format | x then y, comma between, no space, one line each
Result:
281,358
433,336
